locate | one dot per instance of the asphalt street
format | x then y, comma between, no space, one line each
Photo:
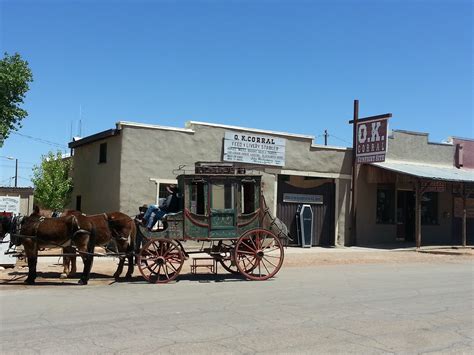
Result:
375,308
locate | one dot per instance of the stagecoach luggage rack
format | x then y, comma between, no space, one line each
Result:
207,262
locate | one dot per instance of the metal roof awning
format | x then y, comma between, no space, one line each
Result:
428,171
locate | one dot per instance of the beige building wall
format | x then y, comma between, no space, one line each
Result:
98,184
142,156
415,147
151,154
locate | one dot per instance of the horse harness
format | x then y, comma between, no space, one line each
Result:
67,241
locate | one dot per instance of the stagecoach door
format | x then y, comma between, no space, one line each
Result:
223,209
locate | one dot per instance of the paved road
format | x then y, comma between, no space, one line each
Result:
377,308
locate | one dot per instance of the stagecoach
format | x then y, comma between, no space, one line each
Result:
222,207
222,215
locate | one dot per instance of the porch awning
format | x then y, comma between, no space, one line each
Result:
428,171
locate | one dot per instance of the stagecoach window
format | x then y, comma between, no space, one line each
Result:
248,197
103,153
197,199
222,195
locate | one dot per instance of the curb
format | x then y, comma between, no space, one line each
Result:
444,252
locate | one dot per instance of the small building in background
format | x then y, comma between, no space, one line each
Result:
16,200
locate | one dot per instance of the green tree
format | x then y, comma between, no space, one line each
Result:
53,184
15,75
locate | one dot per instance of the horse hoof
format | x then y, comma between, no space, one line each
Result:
128,277
63,276
29,282
82,282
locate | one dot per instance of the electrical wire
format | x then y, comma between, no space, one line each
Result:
40,140
342,140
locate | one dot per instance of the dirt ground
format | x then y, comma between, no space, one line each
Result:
50,268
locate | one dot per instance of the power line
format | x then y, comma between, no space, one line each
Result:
44,141
342,140
19,167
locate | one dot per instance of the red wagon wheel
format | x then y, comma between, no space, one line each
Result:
227,260
259,254
160,261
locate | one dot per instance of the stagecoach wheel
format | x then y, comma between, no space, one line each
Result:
227,259
259,254
160,261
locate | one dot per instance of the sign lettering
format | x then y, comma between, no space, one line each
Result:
371,144
10,204
254,149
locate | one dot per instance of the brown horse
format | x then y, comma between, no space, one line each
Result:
39,232
115,227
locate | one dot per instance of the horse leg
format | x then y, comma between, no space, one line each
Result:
121,247
131,250
73,265
32,257
69,262
86,249
32,262
119,270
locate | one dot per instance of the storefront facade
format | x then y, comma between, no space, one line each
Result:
125,167
414,169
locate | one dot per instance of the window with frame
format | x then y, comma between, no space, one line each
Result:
222,195
385,205
429,208
103,153
197,199
248,197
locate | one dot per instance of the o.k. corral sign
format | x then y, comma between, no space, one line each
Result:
254,149
371,140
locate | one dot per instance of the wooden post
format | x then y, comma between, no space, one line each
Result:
418,213
354,173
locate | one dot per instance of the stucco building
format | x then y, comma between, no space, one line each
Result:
386,206
16,200
122,168
125,167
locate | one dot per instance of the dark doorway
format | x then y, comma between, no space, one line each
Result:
406,215
323,210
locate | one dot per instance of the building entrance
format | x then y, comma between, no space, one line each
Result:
294,191
406,215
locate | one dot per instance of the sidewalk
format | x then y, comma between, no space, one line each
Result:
432,249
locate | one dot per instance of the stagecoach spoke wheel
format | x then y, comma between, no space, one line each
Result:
160,261
259,254
227,258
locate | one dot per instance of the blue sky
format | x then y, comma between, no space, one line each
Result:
292,66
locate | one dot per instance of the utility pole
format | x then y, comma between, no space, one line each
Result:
16,172
354,174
